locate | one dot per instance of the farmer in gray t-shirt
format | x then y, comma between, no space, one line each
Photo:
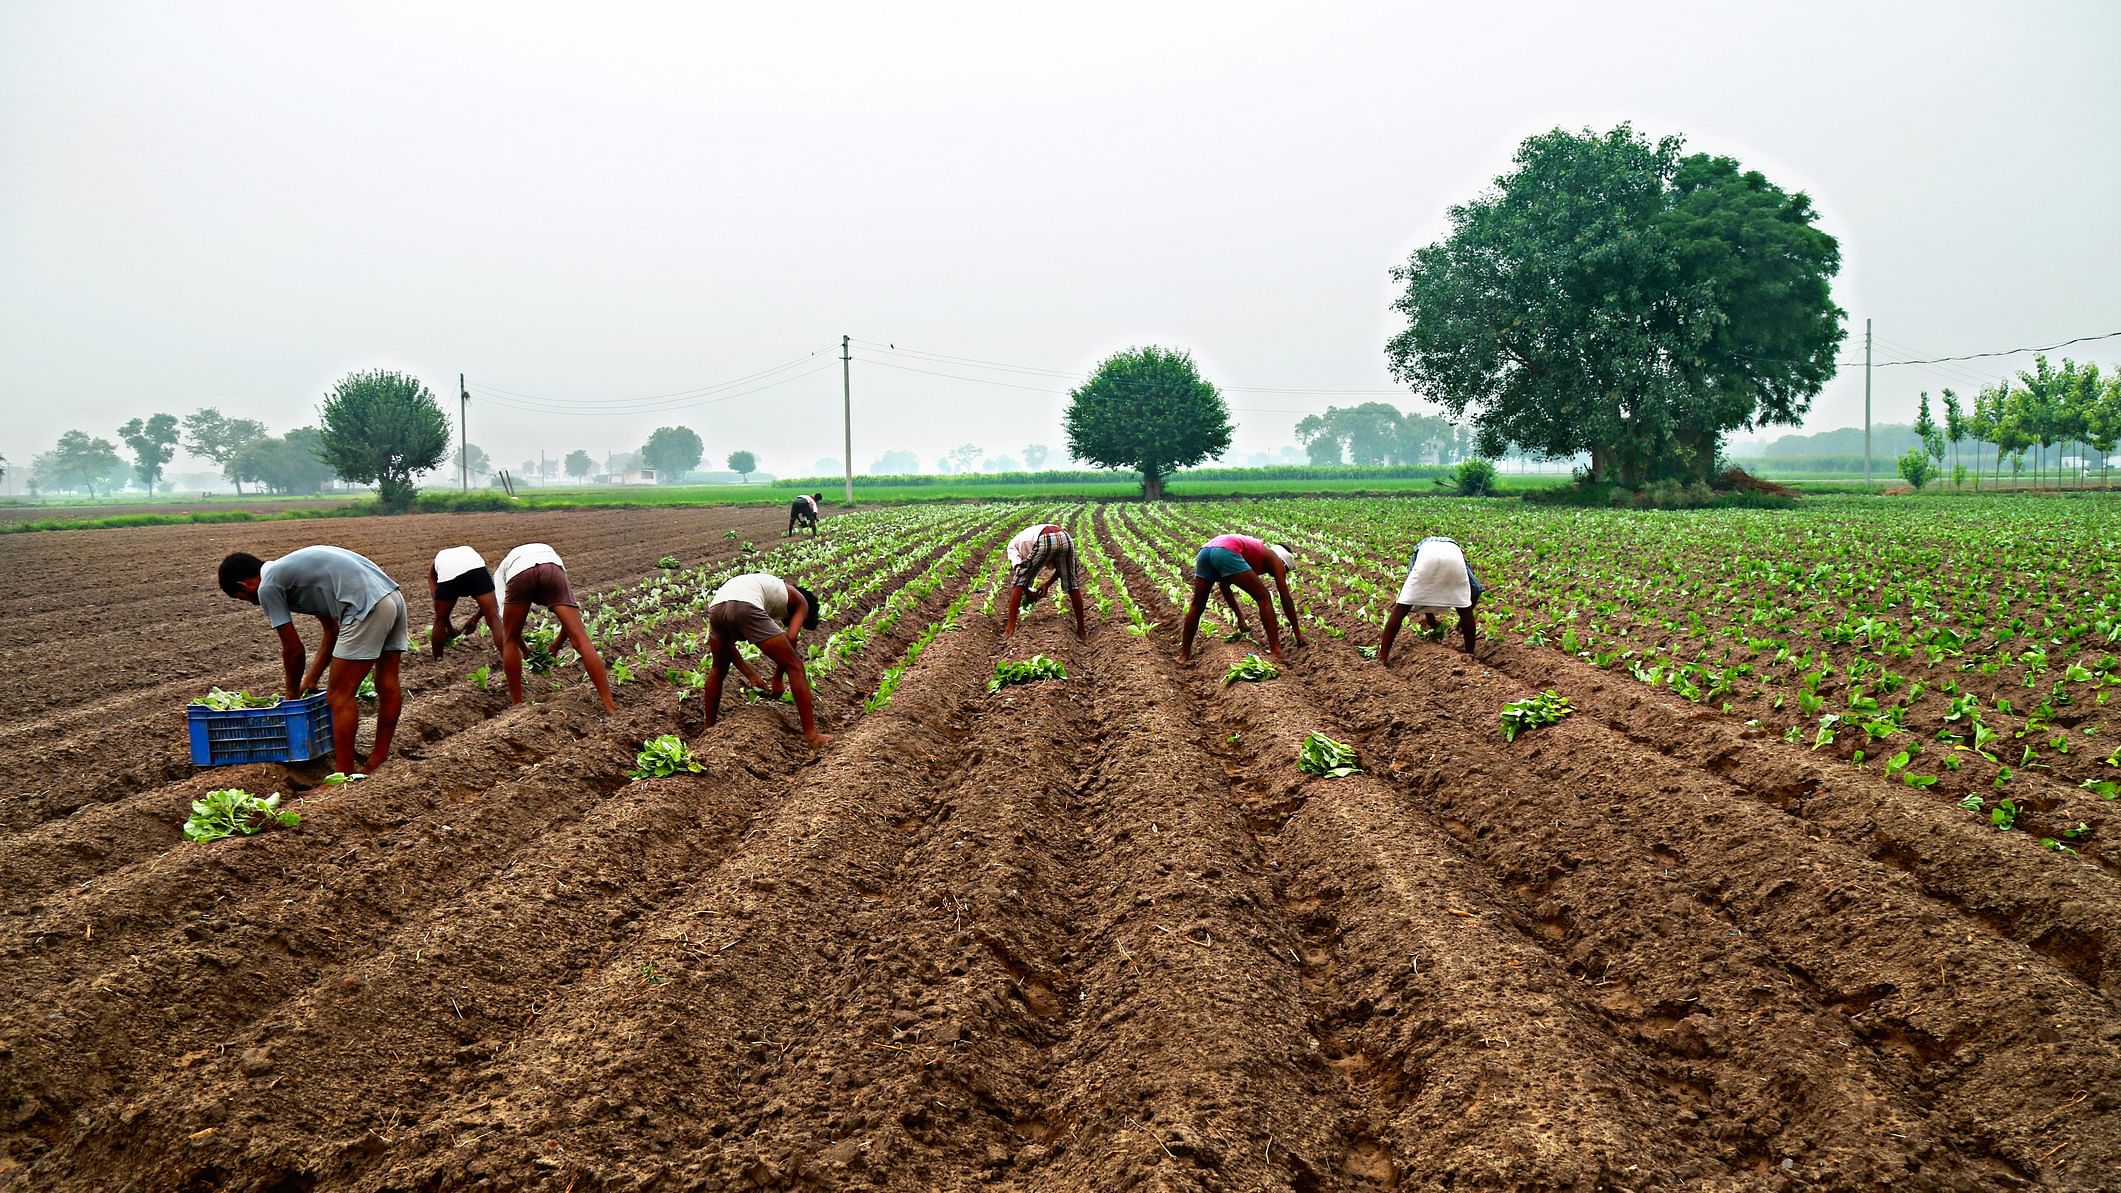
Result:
363,615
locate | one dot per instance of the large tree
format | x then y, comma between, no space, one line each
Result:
1611,296
211,436
895,463
1035,456
743,464
1149,410
672,452
80,461
579,464
383,428
480,462
154,441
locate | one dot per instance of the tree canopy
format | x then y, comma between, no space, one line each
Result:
1375,433
1147,409
211,436
672,452
743,464
290,463
1611,296
154,441
79,461
578,464
383,428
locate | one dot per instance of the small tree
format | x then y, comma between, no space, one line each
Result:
82,462
1955,429
383,428
472,453
961,458
743,464
211,436
579,464
1916,468
1926,430
895,463
1149,410
672,452
153,442
1035,456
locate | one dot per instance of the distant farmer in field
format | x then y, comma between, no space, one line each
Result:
1044,545
460,573
533,575
803,511
769,613
363,615
1241,560
1439,580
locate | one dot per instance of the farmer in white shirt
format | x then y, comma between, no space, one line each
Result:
1039,546
768,612
533,575
1439,580
460,573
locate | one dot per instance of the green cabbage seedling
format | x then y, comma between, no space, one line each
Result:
663,756
1328,759
228,812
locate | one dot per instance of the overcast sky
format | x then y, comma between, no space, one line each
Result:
234,204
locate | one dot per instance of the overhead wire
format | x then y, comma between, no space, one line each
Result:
601,412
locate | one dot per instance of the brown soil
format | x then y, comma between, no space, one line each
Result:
1092,934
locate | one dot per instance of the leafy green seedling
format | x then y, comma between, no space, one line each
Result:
661,757
1251,669
1328,759
1032,670
480,675
228,812
340,777
225,701
667,561
2103,788
1368,652
367,690
1546,708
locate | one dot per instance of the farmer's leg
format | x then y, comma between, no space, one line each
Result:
783,653
723,650
513,615
577,633
1194,608
1016,601
390,700
339,689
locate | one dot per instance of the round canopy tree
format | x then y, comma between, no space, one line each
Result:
743,464
382,428
1610,296
672,452
1149,410
578,464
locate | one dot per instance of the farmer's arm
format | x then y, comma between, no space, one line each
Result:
1288,603
798,612
315,674
1384,648
1230,599
291,658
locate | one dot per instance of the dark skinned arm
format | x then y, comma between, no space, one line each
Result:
315,675
1384,648
1288,603
292,658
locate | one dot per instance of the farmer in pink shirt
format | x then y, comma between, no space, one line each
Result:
1241,560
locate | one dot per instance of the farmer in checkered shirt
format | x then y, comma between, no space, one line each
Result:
1040,546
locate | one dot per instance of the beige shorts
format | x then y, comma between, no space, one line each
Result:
383,629
734,621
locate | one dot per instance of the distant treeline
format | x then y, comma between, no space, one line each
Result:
1291,472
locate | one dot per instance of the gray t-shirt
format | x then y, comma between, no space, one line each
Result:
323,582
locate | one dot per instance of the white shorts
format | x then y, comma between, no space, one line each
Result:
381,630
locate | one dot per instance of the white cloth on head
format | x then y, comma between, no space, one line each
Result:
451,562
1439,580
1020,546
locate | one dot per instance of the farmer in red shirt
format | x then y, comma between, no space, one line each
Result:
1241,559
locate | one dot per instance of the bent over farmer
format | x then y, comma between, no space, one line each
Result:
1439,580
768,612
1240,560
532,574
363,615
460,573
1040,546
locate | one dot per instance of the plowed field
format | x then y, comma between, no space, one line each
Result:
1098,933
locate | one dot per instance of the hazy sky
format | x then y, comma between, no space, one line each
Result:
235,204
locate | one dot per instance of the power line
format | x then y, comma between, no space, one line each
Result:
1938,360
678,396
507,404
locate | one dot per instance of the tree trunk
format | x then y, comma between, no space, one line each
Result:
1152,485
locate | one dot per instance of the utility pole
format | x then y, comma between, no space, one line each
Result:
847,413
463,435
1866,401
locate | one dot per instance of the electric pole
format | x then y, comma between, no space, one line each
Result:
463,435
847,413
1866,401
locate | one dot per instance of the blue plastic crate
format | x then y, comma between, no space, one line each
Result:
290,731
